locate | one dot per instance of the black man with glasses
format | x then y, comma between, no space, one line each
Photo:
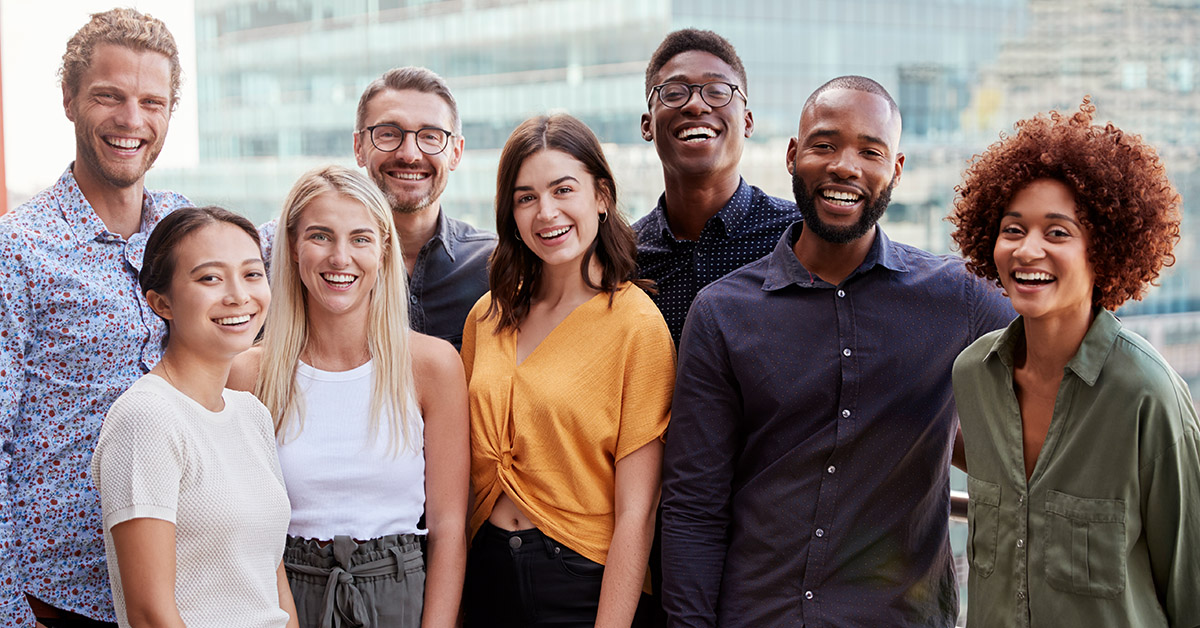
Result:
709,221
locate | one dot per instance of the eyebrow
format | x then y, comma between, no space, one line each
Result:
1055,216
679,78
529,188
217,264
871,139
324,229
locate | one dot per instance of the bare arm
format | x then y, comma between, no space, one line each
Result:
285,597
244,373
636,493
442,394
145,551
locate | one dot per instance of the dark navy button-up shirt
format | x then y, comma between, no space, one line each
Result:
745,229
450,275
806,476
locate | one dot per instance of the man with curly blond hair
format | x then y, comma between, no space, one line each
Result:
1082,445
76,330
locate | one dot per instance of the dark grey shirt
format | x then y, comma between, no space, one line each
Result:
450,275
806,474
745,229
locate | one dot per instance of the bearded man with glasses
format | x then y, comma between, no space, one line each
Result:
708,221
408,136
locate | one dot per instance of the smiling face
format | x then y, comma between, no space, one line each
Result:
1041,254
697,139
844,163
556,207
338,250
411,180
218,295
121,111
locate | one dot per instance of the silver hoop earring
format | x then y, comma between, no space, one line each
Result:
603,217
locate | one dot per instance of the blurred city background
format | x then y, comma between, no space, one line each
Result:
271,88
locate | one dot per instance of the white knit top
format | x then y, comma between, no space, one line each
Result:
340,478
215,475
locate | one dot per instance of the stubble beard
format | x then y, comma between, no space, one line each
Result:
115,178
872,212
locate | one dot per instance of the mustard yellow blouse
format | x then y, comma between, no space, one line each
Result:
550,431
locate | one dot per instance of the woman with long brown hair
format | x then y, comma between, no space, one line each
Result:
570,372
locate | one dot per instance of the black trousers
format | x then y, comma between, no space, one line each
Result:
526,579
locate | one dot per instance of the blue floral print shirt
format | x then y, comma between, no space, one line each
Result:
75,332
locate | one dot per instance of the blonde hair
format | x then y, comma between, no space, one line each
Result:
387,327
120,27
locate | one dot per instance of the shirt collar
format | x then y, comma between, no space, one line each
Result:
82,218
783,269
443,234
1088,359
731,217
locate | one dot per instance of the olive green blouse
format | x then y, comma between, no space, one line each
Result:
1106,532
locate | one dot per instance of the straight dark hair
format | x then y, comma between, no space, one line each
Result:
514,270
158,262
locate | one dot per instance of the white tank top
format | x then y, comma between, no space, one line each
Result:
339,479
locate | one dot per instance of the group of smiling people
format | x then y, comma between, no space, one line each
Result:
300,457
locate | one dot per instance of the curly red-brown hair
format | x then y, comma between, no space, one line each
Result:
1123,199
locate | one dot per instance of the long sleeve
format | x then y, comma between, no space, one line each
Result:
1171,489
702,444
14,321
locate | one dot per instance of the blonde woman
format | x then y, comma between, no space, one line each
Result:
370,417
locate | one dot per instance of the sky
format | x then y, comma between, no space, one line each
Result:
39,141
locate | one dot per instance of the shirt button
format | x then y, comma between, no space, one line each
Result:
820,533
831,469
845,413
412,298
846,352
1021,499
1020,595
1020,543
841,293
808,595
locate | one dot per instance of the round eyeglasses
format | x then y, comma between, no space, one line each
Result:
389,137
674,94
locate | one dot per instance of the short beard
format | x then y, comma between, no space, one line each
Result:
116,179
872,211
398,205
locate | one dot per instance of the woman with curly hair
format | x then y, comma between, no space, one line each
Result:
570,370
1082,444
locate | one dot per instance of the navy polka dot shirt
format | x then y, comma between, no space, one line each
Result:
746,229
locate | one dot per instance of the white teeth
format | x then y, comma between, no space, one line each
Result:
547,235
1036,276
696,134
124,142
409,176
233,320
840,198
338,277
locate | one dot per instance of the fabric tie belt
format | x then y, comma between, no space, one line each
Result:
344,606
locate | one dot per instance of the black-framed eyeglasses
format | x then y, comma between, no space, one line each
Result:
389,137
675,94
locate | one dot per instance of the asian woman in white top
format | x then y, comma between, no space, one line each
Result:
193,501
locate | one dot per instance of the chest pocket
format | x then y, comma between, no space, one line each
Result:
1085,545
983,519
